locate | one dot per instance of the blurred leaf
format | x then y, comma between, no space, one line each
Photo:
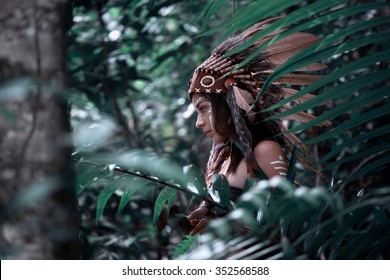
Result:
379,131
134,184
220,190
291,165
381,215
195,179
119,183
260,173
35,193
90,136
359,156
372,166
8,115
209,9
289,21
147,163
17,89
361,119
367,97
86,174
250,14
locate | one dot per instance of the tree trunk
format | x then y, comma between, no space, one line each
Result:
39,218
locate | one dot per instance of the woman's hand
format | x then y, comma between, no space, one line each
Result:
200,217
200,224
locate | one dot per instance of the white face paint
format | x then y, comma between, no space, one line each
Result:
205,120
211,118
197,101
280,165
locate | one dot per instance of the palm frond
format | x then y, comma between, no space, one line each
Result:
301,226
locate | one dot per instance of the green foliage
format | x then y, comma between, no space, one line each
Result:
289,223
195,179
86,174
220,190
8,115
166,196
187,243
291,172
139,169
130,63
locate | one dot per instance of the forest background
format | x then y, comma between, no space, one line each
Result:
100,158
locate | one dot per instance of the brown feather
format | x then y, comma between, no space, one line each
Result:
313,67
282,55
240,99
243,99
294,41
294,139
299,79
267,37
288,92
302,117
277,60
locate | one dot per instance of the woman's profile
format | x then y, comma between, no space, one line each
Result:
230,110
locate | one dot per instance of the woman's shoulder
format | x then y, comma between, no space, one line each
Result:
270,158
267,146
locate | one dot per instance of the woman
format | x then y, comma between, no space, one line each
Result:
229,110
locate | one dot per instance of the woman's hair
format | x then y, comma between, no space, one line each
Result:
223,123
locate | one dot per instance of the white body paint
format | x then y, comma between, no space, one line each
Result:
280,165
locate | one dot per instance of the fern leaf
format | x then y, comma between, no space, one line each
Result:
185,244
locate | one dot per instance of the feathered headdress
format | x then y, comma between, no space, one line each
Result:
220,75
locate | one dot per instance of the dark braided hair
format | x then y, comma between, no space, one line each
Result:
241,128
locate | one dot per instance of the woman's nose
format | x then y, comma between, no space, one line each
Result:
199,122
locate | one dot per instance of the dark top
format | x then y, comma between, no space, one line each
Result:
235,193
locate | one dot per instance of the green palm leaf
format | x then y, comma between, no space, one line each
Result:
167,195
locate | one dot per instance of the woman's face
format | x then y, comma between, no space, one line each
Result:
205,119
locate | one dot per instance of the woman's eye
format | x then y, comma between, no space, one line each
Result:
202,109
